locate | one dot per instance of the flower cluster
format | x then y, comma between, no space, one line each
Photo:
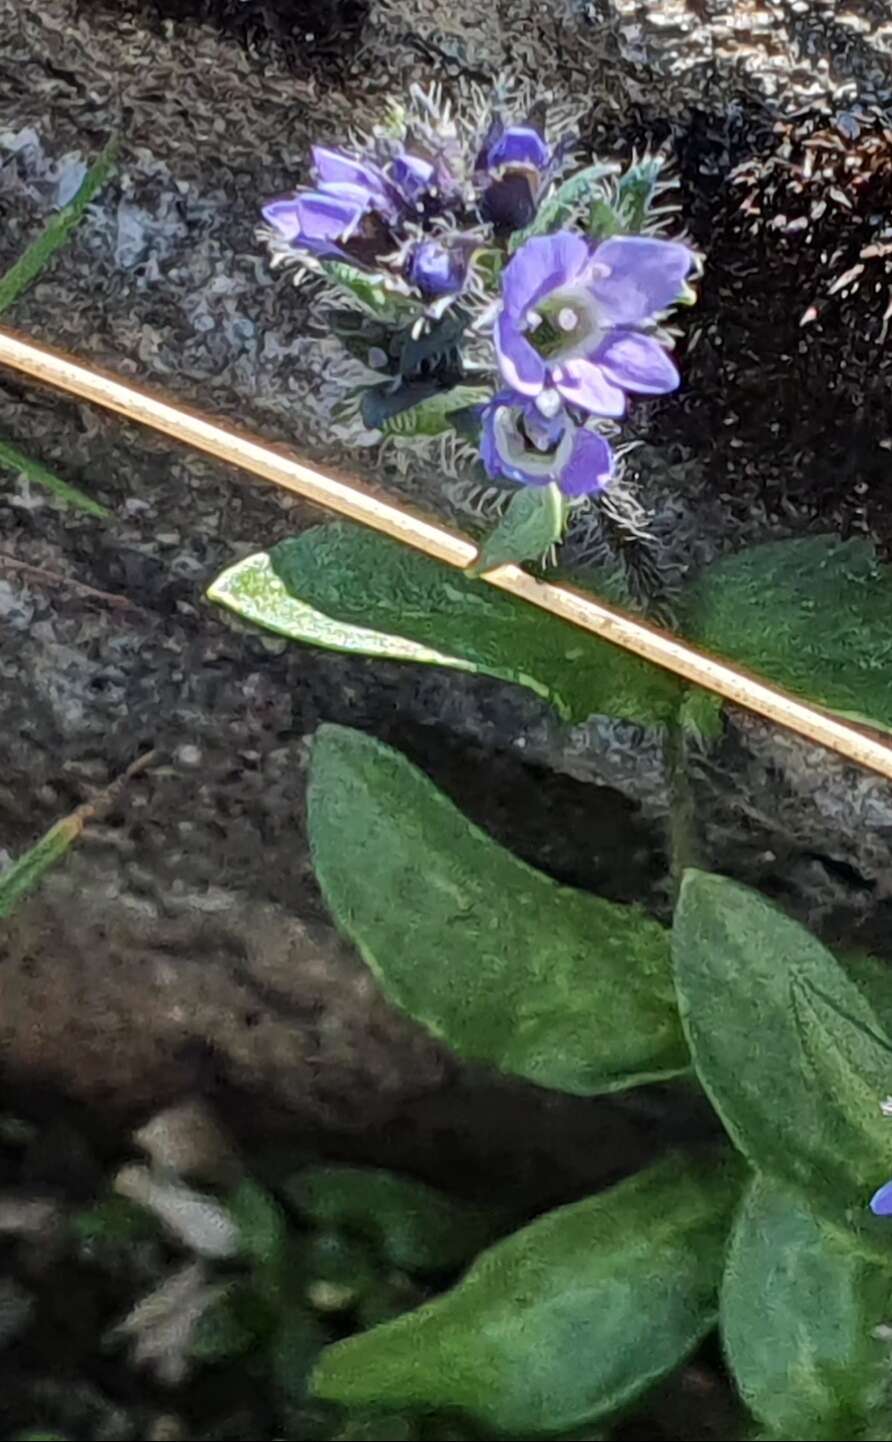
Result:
502,300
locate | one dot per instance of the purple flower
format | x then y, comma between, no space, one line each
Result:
438,269
520,443
881,1201
349,215
361,211
512,167
334,167
572,314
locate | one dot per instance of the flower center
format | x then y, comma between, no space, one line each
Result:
531,443
565,324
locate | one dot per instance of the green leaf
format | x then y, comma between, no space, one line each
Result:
636,192
533,522
787,1046
12,459
568,200
603,221
813,615
411,1225
262,1228
361,578
253,591
565,989
27,872
800,1312
368,291
563,1323
38,255
433,416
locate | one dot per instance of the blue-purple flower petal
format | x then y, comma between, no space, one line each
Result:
413,175
437,269
519,146
315,221
590,466
518,443
644,276
636,362
584,384
881,1201
541,265
522,367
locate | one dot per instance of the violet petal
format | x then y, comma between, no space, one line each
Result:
881,1201
519,145
637,363
541,265
522,367
584,384
645,276
590,466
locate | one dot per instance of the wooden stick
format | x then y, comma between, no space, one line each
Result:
343,494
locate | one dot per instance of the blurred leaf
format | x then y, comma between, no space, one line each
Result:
253,591
378,1427
497,960
340,1271
231,1326
12,459
411,1225
788,1048
55,234
812,614
39,1437
800,1317
364,579
296,1346
572,196
27,872
533,522
566,1321
390,1297
432,415
114,1222
262,1229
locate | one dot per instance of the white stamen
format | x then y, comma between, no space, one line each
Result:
567,318
548,403
534,320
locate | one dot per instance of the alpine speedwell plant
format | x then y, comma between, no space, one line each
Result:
506,305
497,302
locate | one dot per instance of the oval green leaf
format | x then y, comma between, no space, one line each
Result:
813,615
533,522
800,1316
787,1046
363,579
564,1322
565,989
253,591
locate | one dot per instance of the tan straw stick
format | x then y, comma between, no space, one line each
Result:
342,494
